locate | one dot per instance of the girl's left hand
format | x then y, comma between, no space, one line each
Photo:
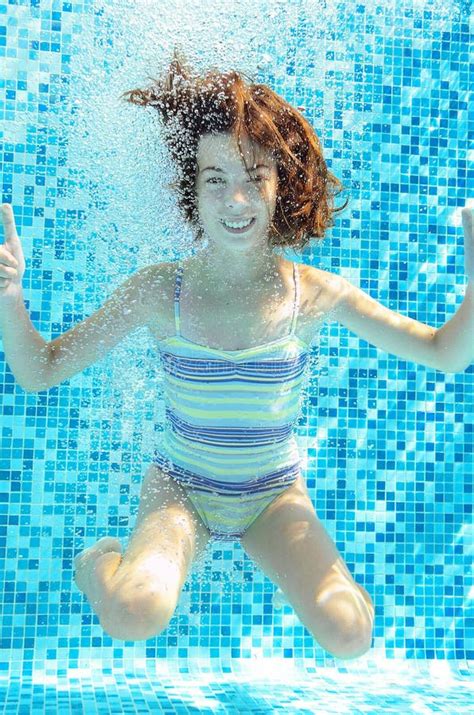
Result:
468,226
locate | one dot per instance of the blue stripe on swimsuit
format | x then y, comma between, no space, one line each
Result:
229,419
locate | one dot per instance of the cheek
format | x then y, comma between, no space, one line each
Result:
207,202
210,199
208,192
271,196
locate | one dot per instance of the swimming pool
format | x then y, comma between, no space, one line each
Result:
386,444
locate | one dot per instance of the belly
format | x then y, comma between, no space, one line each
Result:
232,464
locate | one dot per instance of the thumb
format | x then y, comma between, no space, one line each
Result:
12,240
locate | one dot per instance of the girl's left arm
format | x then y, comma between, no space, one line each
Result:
449,348
455,340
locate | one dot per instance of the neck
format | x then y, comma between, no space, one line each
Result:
238,270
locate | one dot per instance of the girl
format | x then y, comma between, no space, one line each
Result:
233,324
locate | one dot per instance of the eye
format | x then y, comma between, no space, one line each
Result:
255,178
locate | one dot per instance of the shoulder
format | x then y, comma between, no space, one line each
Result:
139,284
148,289
157,276
318,278
322,289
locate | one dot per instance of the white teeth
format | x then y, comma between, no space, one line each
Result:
242,224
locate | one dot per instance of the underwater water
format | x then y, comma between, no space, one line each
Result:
386,444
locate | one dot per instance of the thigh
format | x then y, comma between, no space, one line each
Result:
292,547
167,538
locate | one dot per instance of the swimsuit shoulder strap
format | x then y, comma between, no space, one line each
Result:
296,304
177,293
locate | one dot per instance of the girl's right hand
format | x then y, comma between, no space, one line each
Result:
12,260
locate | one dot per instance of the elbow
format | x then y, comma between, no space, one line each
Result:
34,388
40,376
460,369
453,369
448,363
453,349
45,383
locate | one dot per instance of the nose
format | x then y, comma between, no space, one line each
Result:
236,196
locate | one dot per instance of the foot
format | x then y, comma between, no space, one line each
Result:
85,560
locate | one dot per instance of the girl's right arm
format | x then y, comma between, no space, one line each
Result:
39,365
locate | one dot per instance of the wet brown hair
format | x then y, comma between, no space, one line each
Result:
191,105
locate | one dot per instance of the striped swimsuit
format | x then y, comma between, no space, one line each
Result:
229,416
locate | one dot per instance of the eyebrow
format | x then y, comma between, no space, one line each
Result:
216,168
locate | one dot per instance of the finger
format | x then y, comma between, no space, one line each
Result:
11,235
6,272
7,258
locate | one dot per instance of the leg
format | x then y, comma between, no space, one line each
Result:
135,596
292,547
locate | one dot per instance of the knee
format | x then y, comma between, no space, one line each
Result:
136,621
351,646
349,643
348,627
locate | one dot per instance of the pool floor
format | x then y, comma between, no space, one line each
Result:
398,687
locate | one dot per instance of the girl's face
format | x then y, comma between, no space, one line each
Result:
225,191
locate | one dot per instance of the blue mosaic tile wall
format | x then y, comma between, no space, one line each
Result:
387,444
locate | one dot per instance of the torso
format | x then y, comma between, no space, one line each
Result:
234,322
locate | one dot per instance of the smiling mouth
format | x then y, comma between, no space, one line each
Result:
239,230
